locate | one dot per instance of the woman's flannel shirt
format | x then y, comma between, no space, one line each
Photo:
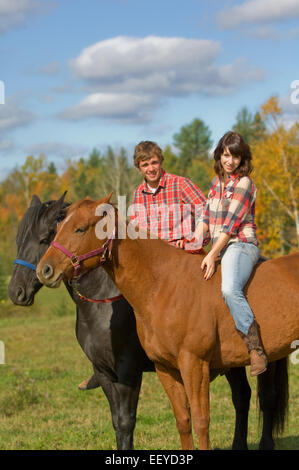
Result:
232,212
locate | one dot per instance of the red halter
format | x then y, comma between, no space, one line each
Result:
76,260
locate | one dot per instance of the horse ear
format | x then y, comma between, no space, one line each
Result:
57,210
104,200
35,201
107,198
61,199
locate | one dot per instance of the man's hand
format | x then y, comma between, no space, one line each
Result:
180,244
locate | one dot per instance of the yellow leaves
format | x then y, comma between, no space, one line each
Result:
271,107
272,113
14,204
276,170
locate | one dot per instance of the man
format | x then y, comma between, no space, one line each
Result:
165,205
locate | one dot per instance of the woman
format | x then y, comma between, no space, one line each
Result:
229,217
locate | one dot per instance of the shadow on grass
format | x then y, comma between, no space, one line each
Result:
288,443
281,443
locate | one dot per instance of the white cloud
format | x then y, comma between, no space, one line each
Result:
14,13
13,116
58,149
264,32
120,55
122,106
6,145
128,77
256,11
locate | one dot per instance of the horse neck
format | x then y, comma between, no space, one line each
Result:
133,265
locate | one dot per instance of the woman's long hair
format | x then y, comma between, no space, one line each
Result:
237,146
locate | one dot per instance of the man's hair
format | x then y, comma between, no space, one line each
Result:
146,150
238,148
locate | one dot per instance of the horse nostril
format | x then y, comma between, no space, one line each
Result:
20,293
47,271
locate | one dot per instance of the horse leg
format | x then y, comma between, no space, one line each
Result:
173,386
128,400
123,401
241,394
196,378
267,402
112,396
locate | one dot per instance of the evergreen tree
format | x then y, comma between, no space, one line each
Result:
194,142
250,127
52,169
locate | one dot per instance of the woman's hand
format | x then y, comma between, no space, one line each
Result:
208,263
209,260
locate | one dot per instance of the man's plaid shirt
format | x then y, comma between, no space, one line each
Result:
232,212
172,211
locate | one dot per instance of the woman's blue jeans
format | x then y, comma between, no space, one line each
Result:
237,264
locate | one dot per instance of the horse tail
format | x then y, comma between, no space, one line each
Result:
280,395
282,398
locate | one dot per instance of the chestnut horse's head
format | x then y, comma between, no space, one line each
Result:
84,229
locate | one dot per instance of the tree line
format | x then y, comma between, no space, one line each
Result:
275,149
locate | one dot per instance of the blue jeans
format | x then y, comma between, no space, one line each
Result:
237,263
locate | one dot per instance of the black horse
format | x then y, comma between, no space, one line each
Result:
107,334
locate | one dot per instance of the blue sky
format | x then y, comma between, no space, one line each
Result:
80,75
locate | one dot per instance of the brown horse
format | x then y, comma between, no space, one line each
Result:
182,321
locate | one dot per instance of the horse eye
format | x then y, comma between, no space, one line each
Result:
44,241
81,230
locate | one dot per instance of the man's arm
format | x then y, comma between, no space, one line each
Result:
199,235
191,194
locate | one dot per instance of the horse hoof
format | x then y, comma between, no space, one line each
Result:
89,384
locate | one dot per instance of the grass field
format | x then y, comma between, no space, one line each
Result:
42,408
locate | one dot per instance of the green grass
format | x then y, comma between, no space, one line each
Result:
42,408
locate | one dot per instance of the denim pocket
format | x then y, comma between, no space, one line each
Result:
252,251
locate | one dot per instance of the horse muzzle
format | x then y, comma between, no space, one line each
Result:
46,275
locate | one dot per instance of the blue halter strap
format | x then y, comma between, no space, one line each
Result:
24,263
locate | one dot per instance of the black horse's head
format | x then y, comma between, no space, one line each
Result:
36,230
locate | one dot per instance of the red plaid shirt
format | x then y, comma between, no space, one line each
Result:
233,211
172,211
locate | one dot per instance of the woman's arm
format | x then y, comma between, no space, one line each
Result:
242,199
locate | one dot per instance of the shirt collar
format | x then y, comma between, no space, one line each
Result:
231,179
162,182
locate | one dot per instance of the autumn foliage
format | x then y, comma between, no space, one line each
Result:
276,162
275,149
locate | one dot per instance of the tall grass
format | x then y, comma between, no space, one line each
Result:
42,408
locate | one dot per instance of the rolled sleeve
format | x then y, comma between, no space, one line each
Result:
205,215
241,201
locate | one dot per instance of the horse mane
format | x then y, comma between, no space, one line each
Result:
34,214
